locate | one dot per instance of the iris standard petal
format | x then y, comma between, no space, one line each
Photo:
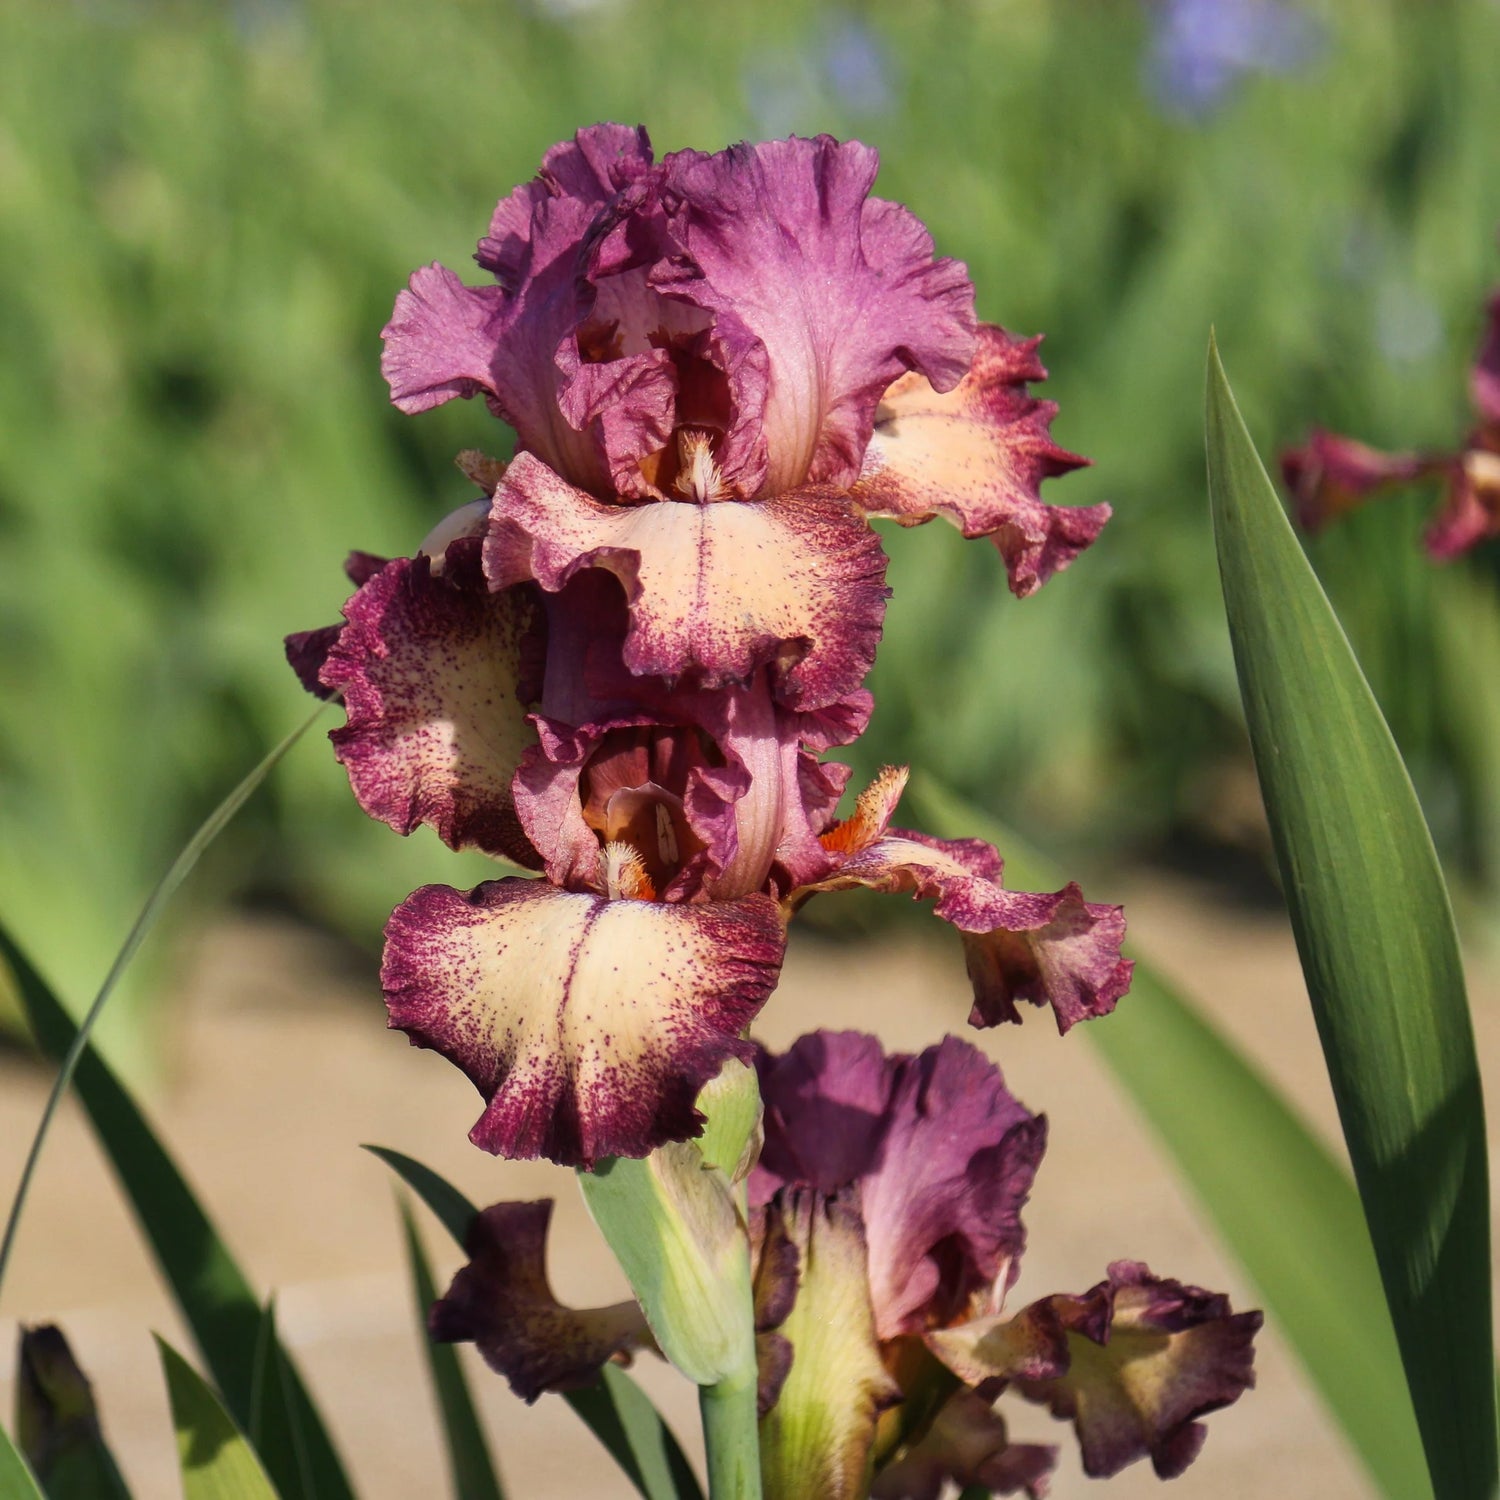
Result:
589,1025
977,454
842,290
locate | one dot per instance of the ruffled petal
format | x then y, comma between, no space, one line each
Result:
715,590
942,1209
307,650
1330,475
815,1442
968,1444
433,670
1133,1363
1056,949
588,1025
978,454
501,1302
518,342
943,1156
842,290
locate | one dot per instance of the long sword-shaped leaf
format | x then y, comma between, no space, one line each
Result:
17,1482
1376,938
1281,1203
615,1410
211,1291
216,1461
469,1461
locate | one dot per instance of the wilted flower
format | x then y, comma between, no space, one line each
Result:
1330,475
621,666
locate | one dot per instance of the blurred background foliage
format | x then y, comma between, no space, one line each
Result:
206,211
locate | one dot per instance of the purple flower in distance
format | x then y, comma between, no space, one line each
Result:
1330,475
1200,49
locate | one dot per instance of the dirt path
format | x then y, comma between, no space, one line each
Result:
284,1066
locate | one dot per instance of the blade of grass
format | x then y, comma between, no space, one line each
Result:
275,1412
211,1291
216,1461
1282,1204
469,1460
1375,933
165,888
615,1410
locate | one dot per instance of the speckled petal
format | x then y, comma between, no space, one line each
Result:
1056,949
432,670
588,1025
501,1302
842,290
715,590
978,455
307,650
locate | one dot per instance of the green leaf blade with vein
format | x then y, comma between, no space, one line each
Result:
469,1461
216,1461
1284,1207
615,1410
211,1291
1375,933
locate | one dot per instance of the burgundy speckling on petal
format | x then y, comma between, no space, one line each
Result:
432,669
588,1025
715,590
977,454
1056,949
502,1302
841,288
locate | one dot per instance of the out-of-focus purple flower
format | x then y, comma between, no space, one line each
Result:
845,62
1200,49
1330,475
911,1173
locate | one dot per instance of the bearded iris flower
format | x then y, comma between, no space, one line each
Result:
1330,475
620,668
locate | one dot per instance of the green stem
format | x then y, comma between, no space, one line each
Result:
731,1436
